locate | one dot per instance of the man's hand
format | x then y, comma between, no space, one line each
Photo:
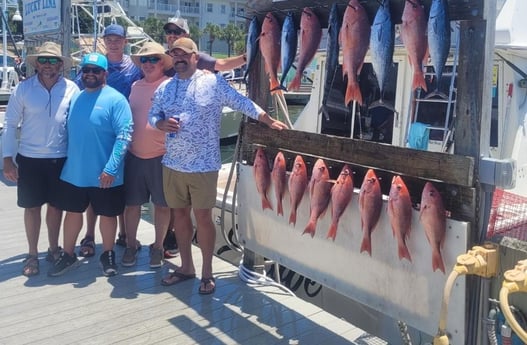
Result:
105,180
169,125
10,170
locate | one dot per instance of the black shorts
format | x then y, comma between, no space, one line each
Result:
108,202
143,179
38,180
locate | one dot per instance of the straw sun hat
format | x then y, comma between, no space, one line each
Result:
153,49
50,49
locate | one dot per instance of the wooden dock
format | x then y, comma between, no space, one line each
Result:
84,307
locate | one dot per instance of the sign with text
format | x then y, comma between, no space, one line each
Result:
41,16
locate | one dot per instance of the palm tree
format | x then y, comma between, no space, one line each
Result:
214,32
231,34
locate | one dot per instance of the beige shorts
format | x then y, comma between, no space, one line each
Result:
197,190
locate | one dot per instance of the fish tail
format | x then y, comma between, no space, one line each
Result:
332,233
353,93
419,81
292,217
437,261
310,228
266,203
366,245
279,208
404,253
295,83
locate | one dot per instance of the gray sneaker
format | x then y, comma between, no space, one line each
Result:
129,257
156,258
63,264
109,267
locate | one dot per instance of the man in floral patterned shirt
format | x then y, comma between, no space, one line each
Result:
189,106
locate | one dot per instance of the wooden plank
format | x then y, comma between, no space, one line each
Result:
452,169
387,160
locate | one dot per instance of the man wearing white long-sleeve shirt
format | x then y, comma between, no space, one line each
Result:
39,105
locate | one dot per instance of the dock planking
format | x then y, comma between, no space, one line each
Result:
85,307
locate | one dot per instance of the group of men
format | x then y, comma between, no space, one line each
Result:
143,128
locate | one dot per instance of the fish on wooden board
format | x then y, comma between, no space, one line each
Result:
341,194
297,185
438,37
279,179
270,49
332,55
400,215
310,37
370,205
382,41
433,218
288,46
414,36
319,195
262,176
251,45
354,37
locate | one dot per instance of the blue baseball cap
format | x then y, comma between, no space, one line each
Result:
114,29
96,59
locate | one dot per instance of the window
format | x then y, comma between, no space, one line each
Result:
209,7
223,9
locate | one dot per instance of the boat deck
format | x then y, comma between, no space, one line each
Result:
85,307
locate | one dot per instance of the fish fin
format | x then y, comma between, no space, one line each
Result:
419,81
279,208
353,94
295,83
437,261
266,203
310,228
332,233
366,245
292,217
404,252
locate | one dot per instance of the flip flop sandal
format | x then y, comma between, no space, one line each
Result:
31,266
176,277
87,247
206,282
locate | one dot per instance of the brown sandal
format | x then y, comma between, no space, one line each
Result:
31,266
176,277
87,247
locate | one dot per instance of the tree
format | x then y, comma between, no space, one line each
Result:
154,28
214,32
231,34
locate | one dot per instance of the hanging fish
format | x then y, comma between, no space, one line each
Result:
297,186
433,218
319,193
332,55
341,194
262,176
439,37
414,36
354,37
400,214
382,42
278,177
310,36
370,204
270,49
251,45
288,46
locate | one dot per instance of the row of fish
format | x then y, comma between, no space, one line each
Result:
278,45
322,190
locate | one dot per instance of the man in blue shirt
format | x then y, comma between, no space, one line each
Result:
99,130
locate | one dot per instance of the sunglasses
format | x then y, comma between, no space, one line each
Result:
94,70
51,60
152,59
177,31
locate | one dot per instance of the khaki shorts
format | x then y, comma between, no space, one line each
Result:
196,190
